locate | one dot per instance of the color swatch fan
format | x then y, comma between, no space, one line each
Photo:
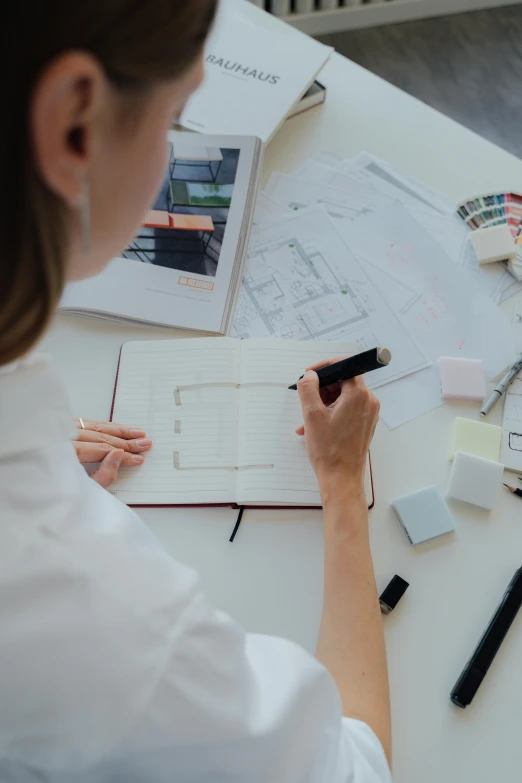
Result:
496,221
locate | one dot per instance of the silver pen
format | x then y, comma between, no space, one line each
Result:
499,390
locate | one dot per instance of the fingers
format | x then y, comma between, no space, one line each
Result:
356,393
107,473
96,452
329,394
325,363
136,446
355,386
308,389
110,428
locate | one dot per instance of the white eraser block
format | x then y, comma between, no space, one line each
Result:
493,244
462,379
475,480
476,437
424,515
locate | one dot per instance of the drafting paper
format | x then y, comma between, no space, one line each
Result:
453,317
302,282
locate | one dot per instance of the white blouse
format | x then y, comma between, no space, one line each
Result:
114,668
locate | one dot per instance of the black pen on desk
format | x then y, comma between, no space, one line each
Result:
484,654
515,491
359,364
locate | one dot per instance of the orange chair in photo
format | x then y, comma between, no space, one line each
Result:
156,218
202,224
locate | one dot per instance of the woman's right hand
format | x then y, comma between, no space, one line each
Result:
339,423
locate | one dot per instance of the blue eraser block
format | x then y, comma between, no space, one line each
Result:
424,515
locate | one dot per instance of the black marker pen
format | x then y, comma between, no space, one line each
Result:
475,670
358,364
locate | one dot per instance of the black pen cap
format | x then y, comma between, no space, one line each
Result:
393,594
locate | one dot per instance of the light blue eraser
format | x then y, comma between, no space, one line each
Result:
424,515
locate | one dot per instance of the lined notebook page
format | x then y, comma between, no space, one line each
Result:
194,431
282,362
269,415
267,423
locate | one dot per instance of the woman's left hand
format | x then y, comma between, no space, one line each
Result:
97,439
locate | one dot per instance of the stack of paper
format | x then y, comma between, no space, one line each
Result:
351,249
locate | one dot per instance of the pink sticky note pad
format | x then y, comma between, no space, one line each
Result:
462,379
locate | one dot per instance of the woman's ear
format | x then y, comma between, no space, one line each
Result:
65,108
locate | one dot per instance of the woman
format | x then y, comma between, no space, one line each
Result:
113,666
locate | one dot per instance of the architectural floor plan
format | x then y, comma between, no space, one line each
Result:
302,282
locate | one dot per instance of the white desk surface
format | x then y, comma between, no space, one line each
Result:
270,579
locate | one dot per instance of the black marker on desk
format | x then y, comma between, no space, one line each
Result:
476,668
517,492
351,367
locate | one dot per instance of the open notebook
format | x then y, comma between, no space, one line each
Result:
222,421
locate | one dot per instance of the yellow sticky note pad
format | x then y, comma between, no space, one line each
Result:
474,437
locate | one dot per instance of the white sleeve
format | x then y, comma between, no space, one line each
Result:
231,706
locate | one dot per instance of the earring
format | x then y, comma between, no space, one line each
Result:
85,217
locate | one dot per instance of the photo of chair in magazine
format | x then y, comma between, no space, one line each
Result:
186,226
184,266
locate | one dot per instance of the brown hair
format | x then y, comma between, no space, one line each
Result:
138,43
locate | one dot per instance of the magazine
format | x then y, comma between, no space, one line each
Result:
184,267
255,76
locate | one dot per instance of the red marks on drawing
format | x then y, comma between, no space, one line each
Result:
434,308
401,255
395,257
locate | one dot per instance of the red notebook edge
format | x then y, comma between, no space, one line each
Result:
223,505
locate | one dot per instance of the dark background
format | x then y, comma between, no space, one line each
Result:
468,66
